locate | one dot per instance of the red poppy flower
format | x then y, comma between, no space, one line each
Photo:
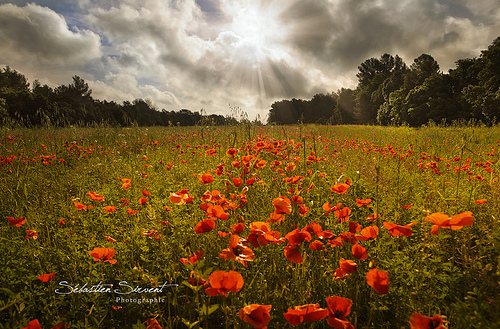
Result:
94,196
444,221
152,324
237,181
110,239
359,252
256,315
103,254
362,202
61,222
339,308
80,206
419,321
282,205
46,277
316,245
126,183
398,230
238,228
292,253
238,251
303,210
109,209
305,313
206,179
151,234
372,217
192,259
408,206
31,234
61,325
143,201
340,188
326,207
368,233
223,282
343,214
378,280
181,197
481,201
206,225
340,274
17,222
348,265
33,324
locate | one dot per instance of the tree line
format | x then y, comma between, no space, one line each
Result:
73,104
389,92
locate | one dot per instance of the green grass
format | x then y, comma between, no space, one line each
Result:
455,274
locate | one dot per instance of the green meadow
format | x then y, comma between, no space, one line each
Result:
184,227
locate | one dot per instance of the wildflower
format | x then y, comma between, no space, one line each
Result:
340,188
223,282
340,274
316,245
143,201
109,209
103,254
480,201
31,234
94,196
348,265
444,221
145,193
152,324
362,202
126,183
292,253
17,222
206,225
342,214
46,277
238,251
339,308
192,259
256,315
80,206
407,206
372,217
419,321
110,239
305,313
181,197
237,181
398,230
33,324
368,233
151,234
206,179
282,205
359,252
378,280
61,222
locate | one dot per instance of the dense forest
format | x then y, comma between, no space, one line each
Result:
389,92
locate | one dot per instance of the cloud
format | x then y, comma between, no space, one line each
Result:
211,53
41,35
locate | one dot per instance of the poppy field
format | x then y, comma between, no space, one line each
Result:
246,227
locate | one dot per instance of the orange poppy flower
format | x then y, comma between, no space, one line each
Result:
94,196
126,183
192,259
151,234
238,228
340,188
339,308
348,265
419,321
359,252
481,201
33,324
103,254
46,277
316,245
408,206
80,206
276,218
17,222
206,225
342,214
237,181
378,280
109,209
238,251
181,197
368,233
303,210
305,313
206,179
61,222
152,324
444,221
398,230
143,201
31,234
110,239
282,205
297,236
362,202
223,282
292,253
372,217
340,274
256,315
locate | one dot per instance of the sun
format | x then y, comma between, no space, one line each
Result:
259,30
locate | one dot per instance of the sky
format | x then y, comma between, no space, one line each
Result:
222,55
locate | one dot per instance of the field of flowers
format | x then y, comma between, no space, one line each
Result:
248,227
